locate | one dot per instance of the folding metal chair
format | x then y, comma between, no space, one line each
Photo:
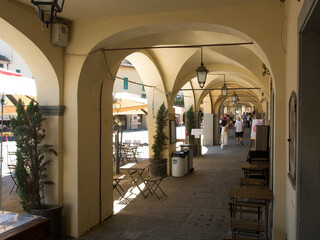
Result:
153,184
116,184
12,169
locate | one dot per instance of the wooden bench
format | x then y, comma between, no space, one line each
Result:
246,218
253,183
256,170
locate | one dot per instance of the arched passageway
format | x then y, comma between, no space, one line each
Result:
86,83
157,68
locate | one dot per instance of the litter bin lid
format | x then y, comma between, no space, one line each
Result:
178,154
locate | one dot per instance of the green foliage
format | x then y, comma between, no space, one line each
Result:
160,137
190,124
32,162
178,102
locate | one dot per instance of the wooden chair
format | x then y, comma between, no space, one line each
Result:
258,156
246,218
12,170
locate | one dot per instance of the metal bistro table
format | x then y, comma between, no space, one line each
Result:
137,169
253,193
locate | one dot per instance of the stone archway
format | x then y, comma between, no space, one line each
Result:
48,96
95,78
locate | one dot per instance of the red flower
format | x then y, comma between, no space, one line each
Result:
187,134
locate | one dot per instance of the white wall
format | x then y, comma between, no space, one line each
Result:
132,75
16,62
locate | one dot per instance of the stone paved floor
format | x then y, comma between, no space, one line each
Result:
196,206
9,202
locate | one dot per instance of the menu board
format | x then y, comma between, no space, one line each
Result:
255,122
197,132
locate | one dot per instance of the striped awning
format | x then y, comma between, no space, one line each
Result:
14,83
132,110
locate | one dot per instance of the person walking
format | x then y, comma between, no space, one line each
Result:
238,129
224,133
248,120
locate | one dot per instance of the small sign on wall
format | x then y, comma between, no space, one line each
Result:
197,132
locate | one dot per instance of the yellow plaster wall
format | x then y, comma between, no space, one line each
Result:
290,39
21,29
70,150
93,75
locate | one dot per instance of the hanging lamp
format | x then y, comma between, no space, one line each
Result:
234,97
224,89
202,73
47,10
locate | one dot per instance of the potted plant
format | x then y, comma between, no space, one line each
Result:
190,124
6,134
159,165
32,163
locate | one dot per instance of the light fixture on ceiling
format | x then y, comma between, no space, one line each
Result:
224,89
234,97
202,72
48,9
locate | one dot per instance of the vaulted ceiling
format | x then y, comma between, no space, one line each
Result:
240,64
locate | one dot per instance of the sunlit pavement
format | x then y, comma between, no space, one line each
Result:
9,202
196,206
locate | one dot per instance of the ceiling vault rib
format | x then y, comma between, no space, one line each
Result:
178,46
198,89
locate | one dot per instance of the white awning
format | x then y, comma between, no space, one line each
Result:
13,83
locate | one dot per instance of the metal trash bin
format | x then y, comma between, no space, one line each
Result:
186,161
178,163
188,148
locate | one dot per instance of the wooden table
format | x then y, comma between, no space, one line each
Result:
135,171
265,195
14,226
261,167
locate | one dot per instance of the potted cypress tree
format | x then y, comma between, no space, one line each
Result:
159,165
190,124
32,163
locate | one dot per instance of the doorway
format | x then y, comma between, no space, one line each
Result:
308,193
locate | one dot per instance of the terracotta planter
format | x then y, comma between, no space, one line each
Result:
54,214
158,167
